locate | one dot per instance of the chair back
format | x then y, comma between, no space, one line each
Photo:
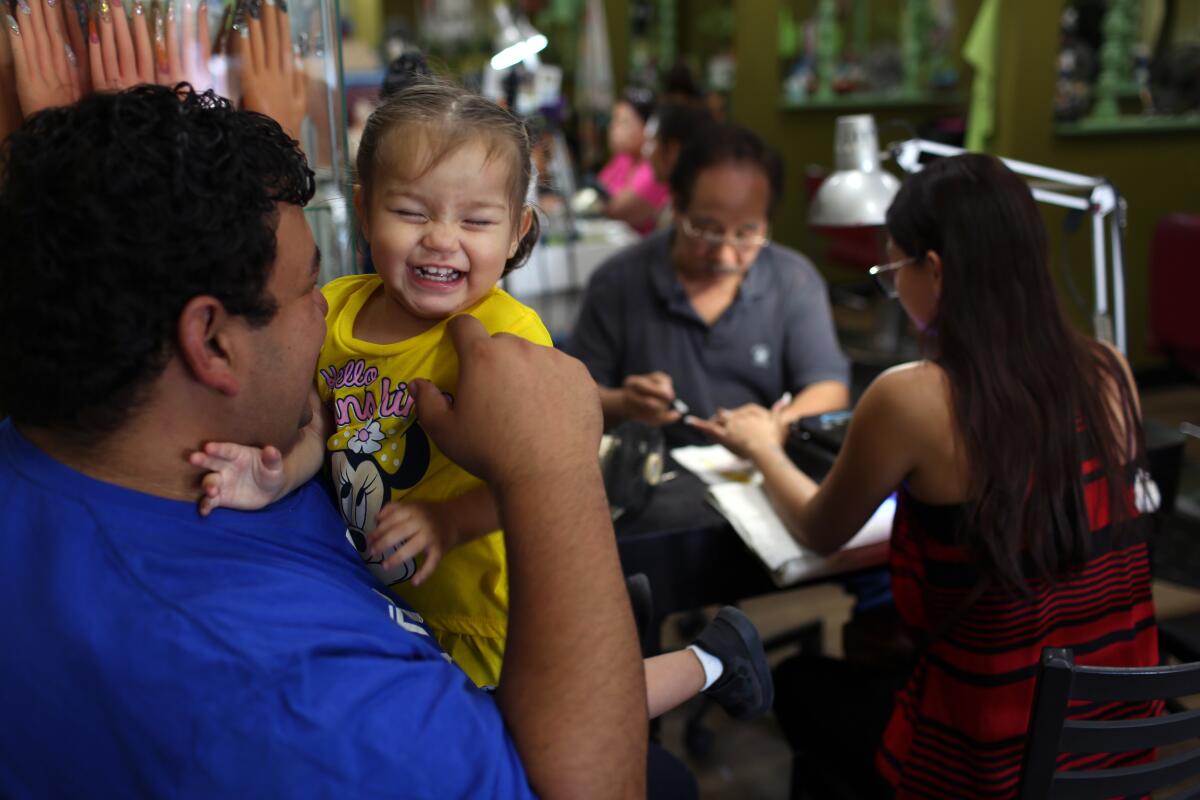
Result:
1060,681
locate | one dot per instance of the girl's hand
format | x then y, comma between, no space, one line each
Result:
119,51
45,65
273,81
404,530
748,431
242,477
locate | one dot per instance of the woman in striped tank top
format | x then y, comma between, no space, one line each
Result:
1012,449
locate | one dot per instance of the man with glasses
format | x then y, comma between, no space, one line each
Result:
710,314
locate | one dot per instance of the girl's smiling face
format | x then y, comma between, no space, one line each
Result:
440,239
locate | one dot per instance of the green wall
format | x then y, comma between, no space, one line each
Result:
1157,172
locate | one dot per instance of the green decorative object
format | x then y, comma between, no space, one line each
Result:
915,24
1116,57
829,47
666,33
789,38
862,29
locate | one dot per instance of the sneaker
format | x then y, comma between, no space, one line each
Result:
745,689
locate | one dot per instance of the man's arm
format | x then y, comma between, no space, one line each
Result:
581,732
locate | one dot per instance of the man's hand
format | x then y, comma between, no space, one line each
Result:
273,82
239,476
527,420
409,529
648,398
522,410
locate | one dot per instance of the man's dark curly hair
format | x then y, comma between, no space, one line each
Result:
114,213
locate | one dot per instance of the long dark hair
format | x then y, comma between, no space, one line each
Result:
1032,398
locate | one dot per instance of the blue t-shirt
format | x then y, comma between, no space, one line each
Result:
146,651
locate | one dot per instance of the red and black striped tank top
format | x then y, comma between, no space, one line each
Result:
958,727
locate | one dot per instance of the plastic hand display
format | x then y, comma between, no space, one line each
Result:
45,66
273,81
118,48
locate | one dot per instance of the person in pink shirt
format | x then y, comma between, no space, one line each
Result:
634,195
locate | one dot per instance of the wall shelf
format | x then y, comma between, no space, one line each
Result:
1129,124
866,101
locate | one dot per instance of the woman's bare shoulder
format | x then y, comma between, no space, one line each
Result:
916,385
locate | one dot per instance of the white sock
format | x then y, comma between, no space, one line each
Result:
711,664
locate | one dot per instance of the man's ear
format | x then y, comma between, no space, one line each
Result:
205,336
361,212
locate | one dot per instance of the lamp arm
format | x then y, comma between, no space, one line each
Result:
1101,202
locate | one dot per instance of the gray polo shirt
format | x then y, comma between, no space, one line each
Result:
776,337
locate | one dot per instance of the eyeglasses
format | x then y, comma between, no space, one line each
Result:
741,241
885,276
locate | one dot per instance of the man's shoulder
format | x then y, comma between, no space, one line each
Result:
790,262
790,275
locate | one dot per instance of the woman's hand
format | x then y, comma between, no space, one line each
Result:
749,431
45,66
273,81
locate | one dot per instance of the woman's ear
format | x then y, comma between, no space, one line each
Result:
933,262
361,212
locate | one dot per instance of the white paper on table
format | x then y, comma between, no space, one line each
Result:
751,514
714,464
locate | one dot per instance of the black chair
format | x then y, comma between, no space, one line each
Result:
1060,681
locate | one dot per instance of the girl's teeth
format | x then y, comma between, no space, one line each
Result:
445,275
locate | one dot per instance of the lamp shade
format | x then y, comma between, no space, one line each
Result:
859,192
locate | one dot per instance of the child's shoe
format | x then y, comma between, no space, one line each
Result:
745,688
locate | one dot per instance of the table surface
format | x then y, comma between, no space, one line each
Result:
693,557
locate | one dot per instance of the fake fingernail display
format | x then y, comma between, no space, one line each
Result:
139,10
71,59
105,11
23,7
12,24
52,3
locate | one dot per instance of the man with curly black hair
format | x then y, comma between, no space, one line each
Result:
159,291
